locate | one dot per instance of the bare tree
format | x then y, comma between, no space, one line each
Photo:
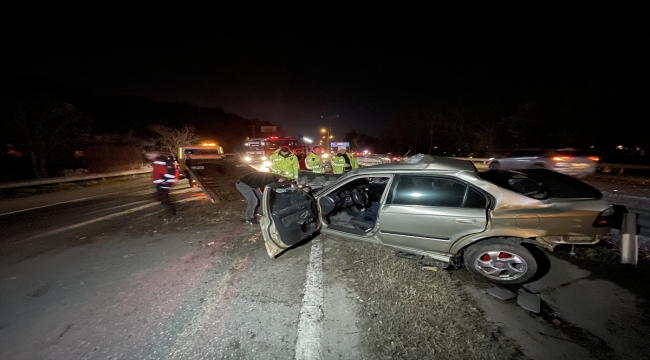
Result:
45,126
169,140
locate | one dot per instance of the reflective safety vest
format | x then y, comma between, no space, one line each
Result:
338,163
284,166
314,163
165,173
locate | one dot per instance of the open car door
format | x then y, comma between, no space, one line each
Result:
290,216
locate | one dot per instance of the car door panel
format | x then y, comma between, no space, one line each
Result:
427,212
290,216
428,228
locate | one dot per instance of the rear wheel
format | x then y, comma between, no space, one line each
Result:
500,261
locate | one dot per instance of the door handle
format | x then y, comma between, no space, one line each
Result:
465,221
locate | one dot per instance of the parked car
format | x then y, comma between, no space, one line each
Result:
567,161
441,211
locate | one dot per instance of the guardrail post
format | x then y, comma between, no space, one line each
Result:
629,239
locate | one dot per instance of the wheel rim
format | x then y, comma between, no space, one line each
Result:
501,265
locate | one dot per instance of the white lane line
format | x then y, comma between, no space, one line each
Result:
102,218
134,193
310,326
117,207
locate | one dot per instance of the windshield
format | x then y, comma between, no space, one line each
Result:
203,151
541,184
273,144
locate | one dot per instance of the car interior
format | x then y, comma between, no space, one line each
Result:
353,207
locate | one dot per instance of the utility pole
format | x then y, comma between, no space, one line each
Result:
329,132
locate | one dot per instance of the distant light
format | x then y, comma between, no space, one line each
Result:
325,156
619,147
247,158
263,158
308,140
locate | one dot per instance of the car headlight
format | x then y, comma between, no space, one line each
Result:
267,164
263,157
247,158
325,156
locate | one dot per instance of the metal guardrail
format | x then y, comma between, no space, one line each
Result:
635,222
642,220
58,180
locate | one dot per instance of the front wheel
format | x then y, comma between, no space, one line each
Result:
500,261
493,166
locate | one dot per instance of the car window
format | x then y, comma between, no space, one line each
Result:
429,191
475,199
524,185
541,184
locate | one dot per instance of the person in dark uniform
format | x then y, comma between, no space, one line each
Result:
250,186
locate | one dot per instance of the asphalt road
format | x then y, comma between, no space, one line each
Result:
117,277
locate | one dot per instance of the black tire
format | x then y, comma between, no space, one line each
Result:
493,166
500,261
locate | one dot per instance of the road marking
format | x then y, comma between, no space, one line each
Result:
117,207
133,193
310,326
102,218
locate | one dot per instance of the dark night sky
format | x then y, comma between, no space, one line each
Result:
367,64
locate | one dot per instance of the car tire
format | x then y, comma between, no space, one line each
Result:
500,261
493,166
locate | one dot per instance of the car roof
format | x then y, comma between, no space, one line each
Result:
424,162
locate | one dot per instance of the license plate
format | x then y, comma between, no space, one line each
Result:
197,167
580,165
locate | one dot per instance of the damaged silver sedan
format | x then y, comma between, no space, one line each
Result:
440,211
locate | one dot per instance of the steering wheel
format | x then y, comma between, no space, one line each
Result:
359,198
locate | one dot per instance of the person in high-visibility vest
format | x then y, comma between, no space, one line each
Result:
284,163
343,161
313,161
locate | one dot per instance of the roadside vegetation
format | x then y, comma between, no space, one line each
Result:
410,313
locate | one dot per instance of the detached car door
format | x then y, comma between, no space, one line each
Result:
290,216
431,212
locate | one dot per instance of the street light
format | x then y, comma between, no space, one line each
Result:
329,131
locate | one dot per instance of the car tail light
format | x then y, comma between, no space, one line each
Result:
593,158
562,158
605,218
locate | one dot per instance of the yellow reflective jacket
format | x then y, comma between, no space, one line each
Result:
338,163
287,167
314,163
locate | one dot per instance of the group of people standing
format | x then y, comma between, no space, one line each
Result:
285,166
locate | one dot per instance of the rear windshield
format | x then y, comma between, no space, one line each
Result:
541,184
